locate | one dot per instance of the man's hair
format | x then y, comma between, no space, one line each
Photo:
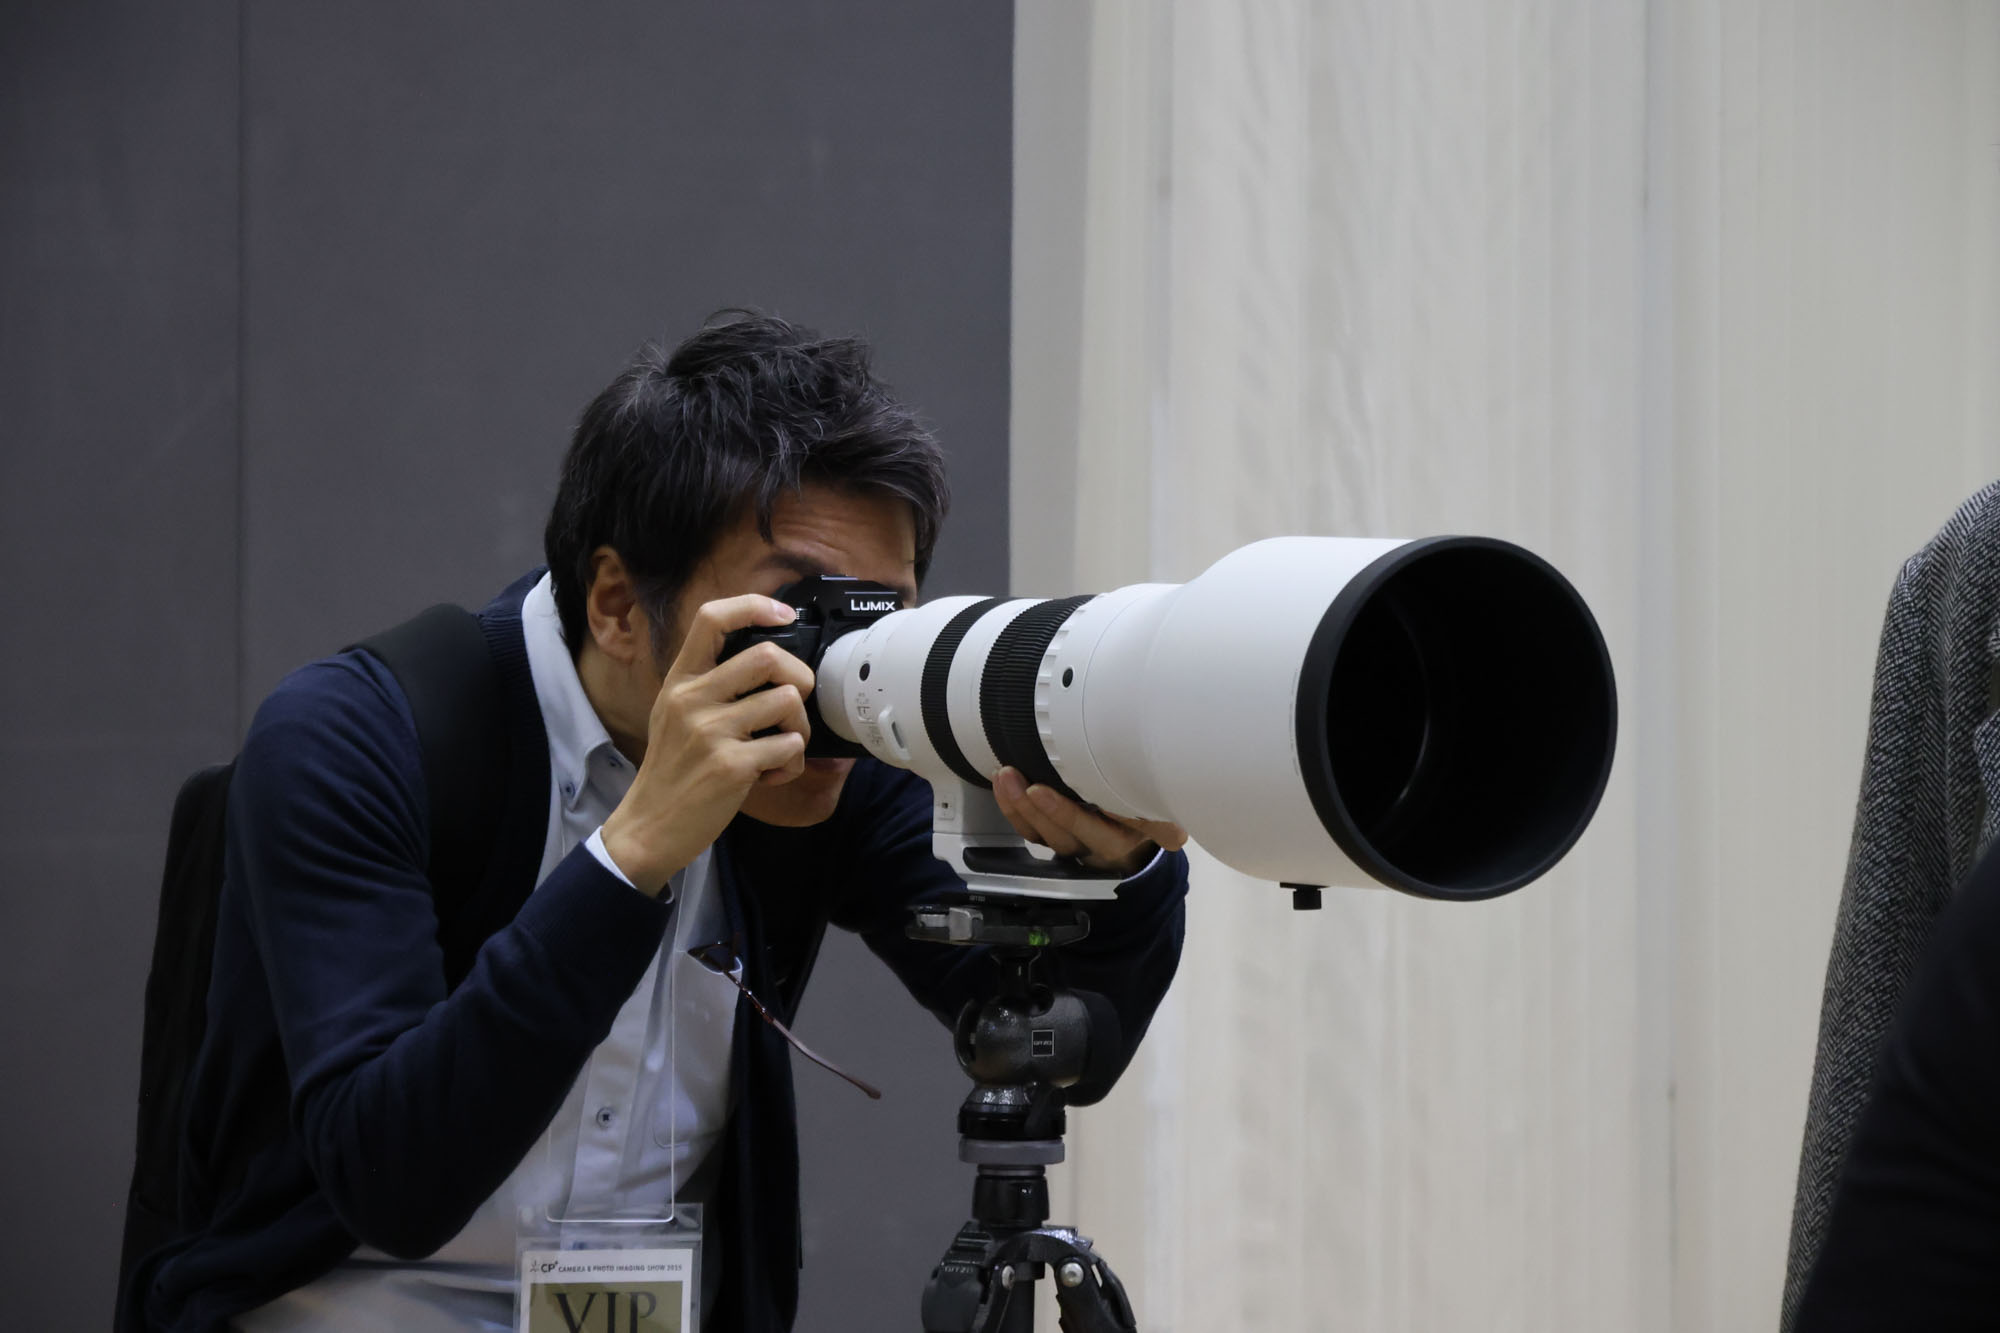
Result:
675,449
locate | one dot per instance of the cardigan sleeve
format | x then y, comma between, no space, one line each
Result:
411,1105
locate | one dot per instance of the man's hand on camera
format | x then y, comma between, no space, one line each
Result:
702,751
1103,842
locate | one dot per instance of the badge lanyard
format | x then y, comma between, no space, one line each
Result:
628,1269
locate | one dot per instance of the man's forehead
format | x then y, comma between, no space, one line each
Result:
801,561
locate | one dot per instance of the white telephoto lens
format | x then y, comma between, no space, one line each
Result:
1437,716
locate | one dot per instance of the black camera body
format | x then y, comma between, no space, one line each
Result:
828,606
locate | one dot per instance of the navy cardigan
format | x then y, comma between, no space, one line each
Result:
370,1077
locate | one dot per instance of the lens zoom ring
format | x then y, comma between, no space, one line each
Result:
935,702
1007,690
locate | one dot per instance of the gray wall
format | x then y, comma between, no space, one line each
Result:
297,306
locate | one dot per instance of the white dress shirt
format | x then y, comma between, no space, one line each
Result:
650,1104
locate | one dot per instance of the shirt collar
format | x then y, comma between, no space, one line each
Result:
578,741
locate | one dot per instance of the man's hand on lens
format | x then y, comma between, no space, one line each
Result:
1110,843
702,751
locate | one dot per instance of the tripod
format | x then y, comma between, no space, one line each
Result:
1021,1048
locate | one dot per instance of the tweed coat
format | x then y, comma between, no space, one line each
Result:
1930,801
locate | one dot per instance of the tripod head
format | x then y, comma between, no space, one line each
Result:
1033,1045
1029,1047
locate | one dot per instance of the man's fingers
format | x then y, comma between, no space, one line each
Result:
716,620
1010,791
755,667
778,758
1043,814
1099,836
781,707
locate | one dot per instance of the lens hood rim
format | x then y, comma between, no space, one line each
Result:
1311,709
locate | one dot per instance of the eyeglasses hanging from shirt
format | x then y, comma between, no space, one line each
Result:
721,958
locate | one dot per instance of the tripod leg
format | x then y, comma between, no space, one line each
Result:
1095,1302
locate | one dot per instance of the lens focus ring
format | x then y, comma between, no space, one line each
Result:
1007,690
932,696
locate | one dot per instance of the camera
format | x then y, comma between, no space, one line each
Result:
827,606
1437,716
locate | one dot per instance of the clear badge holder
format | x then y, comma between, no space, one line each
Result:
615,1270
625,1274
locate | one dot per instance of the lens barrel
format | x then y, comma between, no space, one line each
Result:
1437,716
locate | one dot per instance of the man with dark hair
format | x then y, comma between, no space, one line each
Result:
391,1093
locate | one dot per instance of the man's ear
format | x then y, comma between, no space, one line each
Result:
618,624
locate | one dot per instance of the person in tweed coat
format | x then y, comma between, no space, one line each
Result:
1930,802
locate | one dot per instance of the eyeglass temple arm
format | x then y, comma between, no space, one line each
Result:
874,1093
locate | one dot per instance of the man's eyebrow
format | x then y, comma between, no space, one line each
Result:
803,565
797,562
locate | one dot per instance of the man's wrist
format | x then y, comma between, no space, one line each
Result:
631,858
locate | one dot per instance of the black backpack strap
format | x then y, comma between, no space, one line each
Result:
442,661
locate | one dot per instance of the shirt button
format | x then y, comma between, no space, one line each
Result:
606,1117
